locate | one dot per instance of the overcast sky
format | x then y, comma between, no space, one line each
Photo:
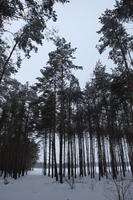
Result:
78,23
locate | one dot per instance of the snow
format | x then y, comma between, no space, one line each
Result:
35,186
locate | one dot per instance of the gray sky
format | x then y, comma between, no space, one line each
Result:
78,23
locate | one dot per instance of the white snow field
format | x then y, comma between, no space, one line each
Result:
35,186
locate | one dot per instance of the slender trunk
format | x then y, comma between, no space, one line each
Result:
54,129
87,154
75,160
84,156
49,164
62,122
64,156
71,157
45,154
68,157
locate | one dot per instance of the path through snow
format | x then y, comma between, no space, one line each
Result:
37,187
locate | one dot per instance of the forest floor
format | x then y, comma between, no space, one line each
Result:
35,186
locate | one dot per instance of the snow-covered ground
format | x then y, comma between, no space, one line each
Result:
37,187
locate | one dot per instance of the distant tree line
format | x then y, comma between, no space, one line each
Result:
93,126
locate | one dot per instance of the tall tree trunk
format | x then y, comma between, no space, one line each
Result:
62,121
49,162
45,154
87,153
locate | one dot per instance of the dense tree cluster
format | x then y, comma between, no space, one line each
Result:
84,132
18,150
97,125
